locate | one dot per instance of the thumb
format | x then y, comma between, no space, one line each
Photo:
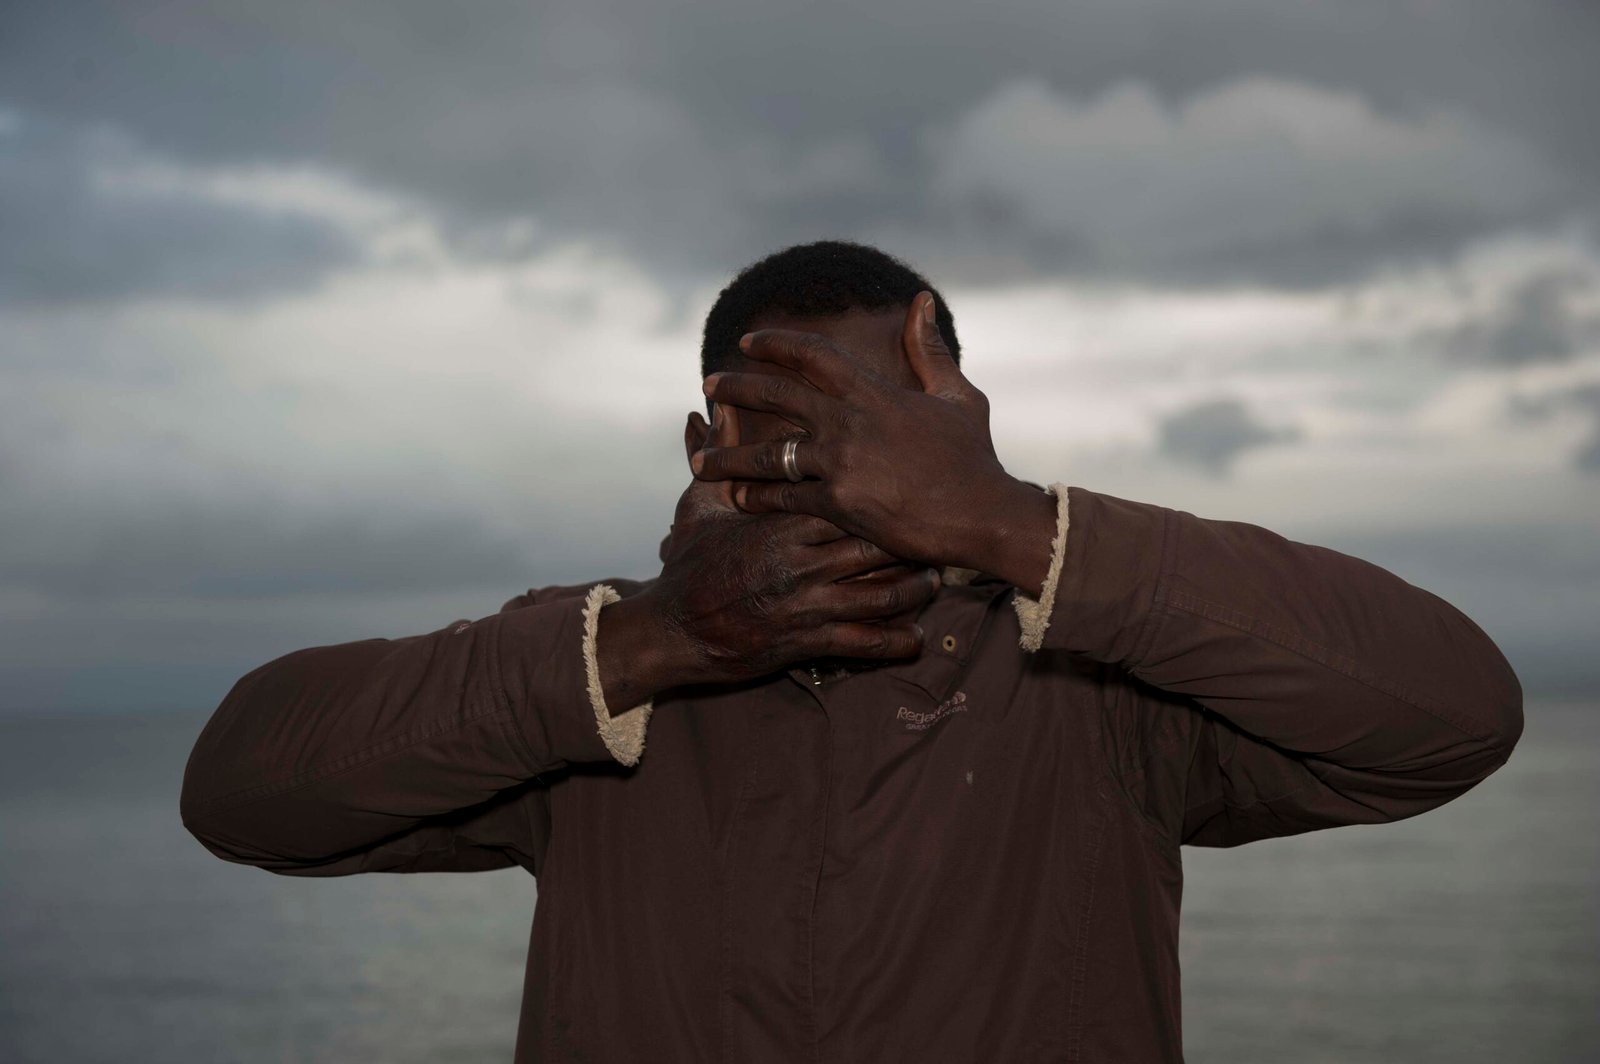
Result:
927,352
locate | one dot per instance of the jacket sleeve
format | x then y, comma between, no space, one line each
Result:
423,753
1298,687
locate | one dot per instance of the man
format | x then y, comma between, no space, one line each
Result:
924,739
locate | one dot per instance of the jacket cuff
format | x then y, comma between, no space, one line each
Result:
624,733
1110,567
1034,613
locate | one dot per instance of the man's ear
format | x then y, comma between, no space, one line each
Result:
927,352
911,332
695,431
703,494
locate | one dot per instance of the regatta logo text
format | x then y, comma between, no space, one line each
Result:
956,703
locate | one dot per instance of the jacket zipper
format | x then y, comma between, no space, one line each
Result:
816,677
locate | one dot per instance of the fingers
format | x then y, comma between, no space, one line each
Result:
813,356
927,352
811,531
771,496
891,571
877,599
757,461
847,557
795,400
861,639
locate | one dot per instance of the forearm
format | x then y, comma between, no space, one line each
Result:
1313,650
335,749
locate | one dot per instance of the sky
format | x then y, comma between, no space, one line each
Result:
321,322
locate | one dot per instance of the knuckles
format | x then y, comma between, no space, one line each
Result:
849,422
776,391
890,600
867,552
764,460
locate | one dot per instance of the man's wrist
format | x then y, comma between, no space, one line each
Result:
634,652
1012,534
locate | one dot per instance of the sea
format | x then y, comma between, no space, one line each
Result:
1468,934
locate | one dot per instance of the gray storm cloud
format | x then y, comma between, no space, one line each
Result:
1245,140
320,321
1258,178
1211,435
73,232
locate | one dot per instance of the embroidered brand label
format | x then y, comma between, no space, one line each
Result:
956,703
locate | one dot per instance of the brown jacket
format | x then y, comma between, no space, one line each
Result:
971,856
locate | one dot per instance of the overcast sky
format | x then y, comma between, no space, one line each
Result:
327,321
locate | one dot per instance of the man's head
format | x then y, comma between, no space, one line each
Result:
855,294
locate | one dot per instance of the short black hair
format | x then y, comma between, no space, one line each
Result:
820,279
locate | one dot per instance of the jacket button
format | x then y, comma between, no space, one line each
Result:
949,644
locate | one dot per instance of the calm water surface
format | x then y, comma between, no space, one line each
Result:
1468,934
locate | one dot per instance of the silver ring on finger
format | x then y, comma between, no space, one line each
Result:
791,465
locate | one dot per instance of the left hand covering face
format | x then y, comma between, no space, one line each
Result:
909,470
